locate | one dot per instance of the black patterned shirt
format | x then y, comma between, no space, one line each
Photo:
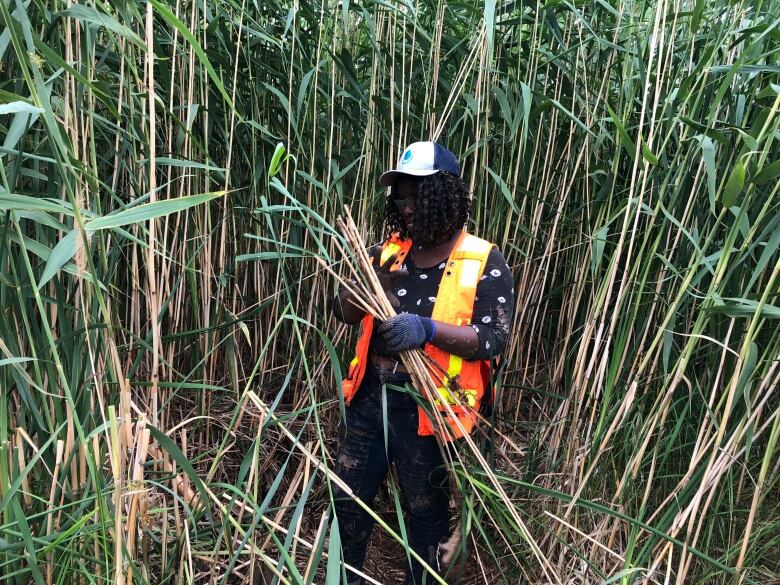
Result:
493,303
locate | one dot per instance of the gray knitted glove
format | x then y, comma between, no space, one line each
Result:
406,331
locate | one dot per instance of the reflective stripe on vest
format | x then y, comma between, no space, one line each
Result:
464,382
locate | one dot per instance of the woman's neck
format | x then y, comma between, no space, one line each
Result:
426,255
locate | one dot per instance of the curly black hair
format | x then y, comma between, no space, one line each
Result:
442,208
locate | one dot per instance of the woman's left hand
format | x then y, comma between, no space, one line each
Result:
406,331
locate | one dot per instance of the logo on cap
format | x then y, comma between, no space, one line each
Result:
407,156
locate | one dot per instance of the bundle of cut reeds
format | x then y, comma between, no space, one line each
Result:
368,293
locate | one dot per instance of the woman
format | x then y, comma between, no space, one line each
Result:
454,298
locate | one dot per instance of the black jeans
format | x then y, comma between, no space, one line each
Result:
362,462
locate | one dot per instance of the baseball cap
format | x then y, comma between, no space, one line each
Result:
421,159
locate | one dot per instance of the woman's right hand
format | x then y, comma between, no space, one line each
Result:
348,311
345,309
386,276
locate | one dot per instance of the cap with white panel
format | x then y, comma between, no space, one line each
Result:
421,159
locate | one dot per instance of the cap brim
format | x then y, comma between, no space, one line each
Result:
389,177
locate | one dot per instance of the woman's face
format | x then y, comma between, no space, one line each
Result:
404,197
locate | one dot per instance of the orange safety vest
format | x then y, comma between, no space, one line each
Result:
454,305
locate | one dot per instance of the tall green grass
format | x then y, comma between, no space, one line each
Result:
168,363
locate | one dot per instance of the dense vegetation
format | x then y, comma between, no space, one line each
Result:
168,361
